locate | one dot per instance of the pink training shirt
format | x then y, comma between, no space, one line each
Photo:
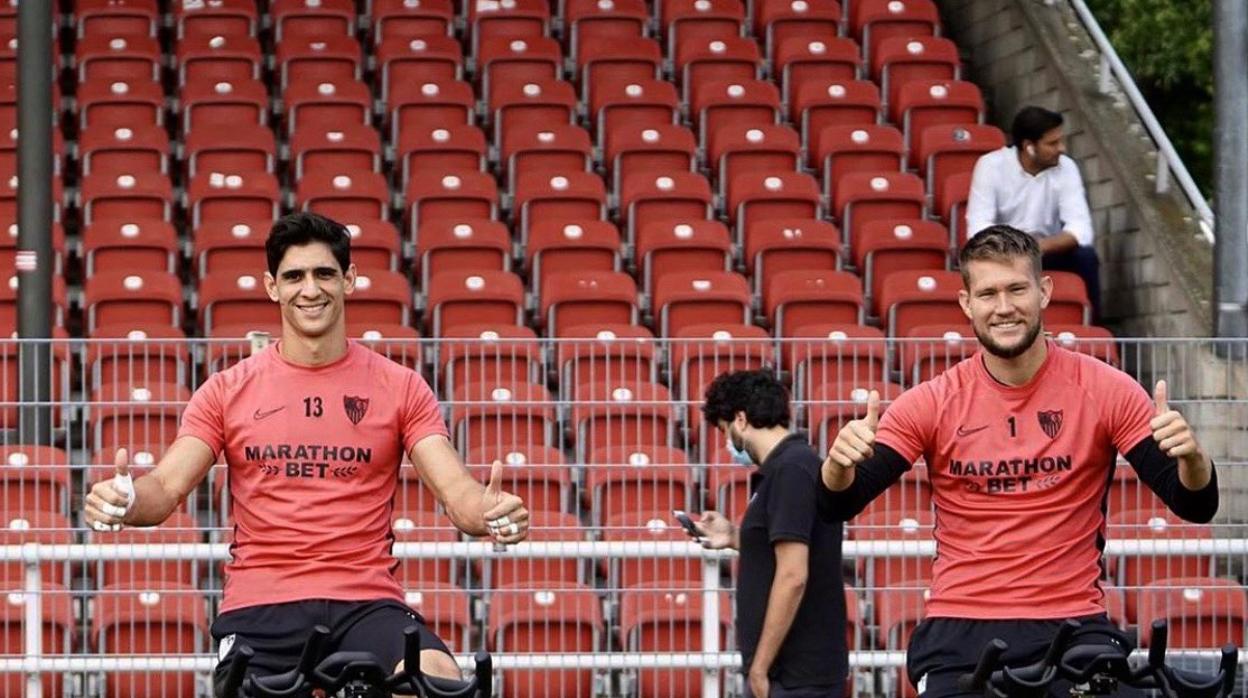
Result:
1019,476
313,456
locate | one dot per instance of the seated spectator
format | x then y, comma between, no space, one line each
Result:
1033,186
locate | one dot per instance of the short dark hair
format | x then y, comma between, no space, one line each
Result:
763,399
302,228
1031,123
999,243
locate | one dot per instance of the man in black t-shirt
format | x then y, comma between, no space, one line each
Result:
790,605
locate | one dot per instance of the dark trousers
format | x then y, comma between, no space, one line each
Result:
1083,261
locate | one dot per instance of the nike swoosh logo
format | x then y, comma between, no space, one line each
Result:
963,431
259,415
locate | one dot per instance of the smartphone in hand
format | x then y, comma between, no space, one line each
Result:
687,524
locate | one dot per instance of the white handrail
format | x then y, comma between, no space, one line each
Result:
1168,160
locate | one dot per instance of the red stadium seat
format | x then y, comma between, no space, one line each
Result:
1137,571
594,22
603,66
1086,339
823,353
1069,304
179,529
459,196
223,245
617,413
428,105
488,352
467,298
829,59
887,572
732,59
106,58
42,527
415,524
220,18
127,195
690,20
650,197
759,196
213,103
719,103
797,298
233,298
787,20
375,245
534,103
140,148
56,634
34,478
136,412
900,59
564,619
449,148
216,196
395,342
586,297
295,19
210,58
703,351
321,58
163,619
417,60
558,197
654,149
818,104
139,245
734,150
683,298
343,195
789,244
222,355
919,297
540,573
605,352
614,105
555,247
99,18
862,197
380,296
537,474
935,348
516,60
924,103
665,247
8,249
403,20
1202,612
119,297
945,150
238,147
445,245
521,19
326,103
343,148
884,246
667,616
839,150
8,305
446,609
553,148
648,525
873,21
493,413
949,201
623,477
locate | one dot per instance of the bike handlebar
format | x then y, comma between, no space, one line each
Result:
340,669
1087,663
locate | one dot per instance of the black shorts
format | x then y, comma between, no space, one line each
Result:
277,633
942,649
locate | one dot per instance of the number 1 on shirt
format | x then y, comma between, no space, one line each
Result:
1013,430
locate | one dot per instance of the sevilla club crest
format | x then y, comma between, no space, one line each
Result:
355,407
1050,422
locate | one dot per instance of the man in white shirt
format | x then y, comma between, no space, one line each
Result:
1033,186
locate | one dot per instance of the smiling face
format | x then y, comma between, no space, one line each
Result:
1003,299
311,288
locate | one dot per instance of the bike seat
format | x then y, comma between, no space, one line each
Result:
288,683
341,667
1084,661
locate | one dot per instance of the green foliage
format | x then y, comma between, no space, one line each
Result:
1168,47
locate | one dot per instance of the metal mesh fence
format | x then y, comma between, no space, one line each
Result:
603,438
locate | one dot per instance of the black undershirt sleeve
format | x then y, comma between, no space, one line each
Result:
1161,473
871,477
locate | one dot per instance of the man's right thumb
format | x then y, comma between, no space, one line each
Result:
873,409
122,462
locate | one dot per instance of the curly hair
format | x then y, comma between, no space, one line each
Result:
763,399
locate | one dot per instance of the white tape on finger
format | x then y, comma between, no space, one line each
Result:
112,509
513,529
124,484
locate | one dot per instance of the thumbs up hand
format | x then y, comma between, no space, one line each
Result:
1173,435
854,444
109,501
506,519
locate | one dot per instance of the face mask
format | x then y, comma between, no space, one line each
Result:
739,455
